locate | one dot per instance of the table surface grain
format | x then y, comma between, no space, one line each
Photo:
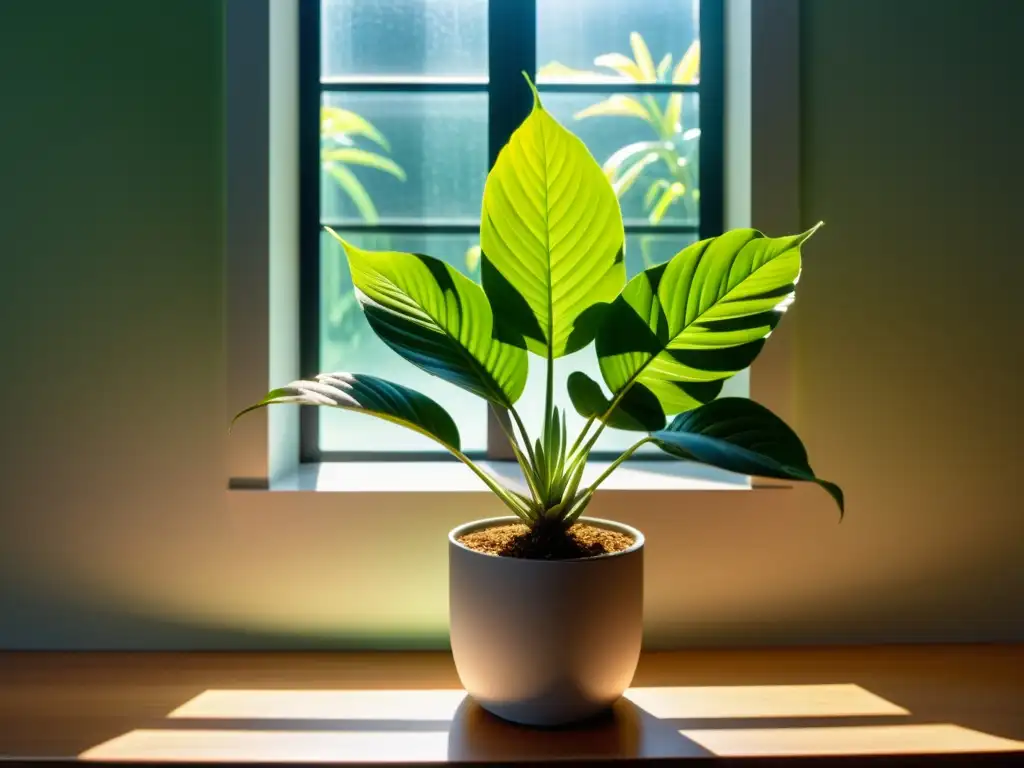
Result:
897,705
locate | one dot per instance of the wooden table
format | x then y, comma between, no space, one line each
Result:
894,706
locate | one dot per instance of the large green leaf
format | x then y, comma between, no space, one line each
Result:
437,319
551,234
702,317
368,394
739,435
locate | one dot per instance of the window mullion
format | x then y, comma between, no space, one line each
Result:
309,217
512,50
712,118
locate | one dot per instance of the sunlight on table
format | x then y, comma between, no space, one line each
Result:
275,726
849,740
841,700
323,705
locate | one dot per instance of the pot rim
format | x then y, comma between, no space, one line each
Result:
488,522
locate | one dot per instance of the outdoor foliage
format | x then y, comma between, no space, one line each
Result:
667,162
554,282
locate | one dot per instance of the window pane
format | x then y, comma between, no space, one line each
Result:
348,344
648,142
423,156
641,251
404,38
593,39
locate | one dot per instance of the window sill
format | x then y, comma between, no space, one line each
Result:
453,477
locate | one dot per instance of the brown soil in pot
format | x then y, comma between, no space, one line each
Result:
517,540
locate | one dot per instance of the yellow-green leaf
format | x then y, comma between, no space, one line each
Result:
616,105
552,236
643,57
622,64
688,68
354,156
334,120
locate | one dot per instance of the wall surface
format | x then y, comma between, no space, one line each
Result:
116,527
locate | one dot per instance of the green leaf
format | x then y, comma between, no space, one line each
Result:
370,395
672,193
334,121
551,234
652,192
643,57
739,435
617,105
623,183
472,258
672,120
556,70
437,319
688,68
702,317
624,154
638,411
353,156
622,64
663,66
355,190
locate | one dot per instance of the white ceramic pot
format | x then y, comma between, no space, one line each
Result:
544,642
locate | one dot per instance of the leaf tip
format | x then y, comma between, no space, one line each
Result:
533,89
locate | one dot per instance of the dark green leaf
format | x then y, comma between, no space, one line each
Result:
368,394
439,320
639,410
739,435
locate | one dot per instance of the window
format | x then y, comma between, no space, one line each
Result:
405,104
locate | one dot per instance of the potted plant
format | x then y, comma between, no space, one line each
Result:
545,604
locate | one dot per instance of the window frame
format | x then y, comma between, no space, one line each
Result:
261,282
512,38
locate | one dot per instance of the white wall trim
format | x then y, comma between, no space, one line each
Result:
262,233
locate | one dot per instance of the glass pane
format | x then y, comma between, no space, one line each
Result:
641,251
588,40
403,156
647,142
407,39
348,344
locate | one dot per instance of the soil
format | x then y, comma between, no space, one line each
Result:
517,540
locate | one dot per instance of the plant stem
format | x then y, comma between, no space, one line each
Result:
549,399
614,465
579,438
525,464
508,499
525,435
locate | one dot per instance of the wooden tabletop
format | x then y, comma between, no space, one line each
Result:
903,705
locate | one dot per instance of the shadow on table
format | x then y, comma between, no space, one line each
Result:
627,731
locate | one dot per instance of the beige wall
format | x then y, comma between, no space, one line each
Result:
115,526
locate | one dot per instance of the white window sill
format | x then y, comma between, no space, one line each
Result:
453,477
